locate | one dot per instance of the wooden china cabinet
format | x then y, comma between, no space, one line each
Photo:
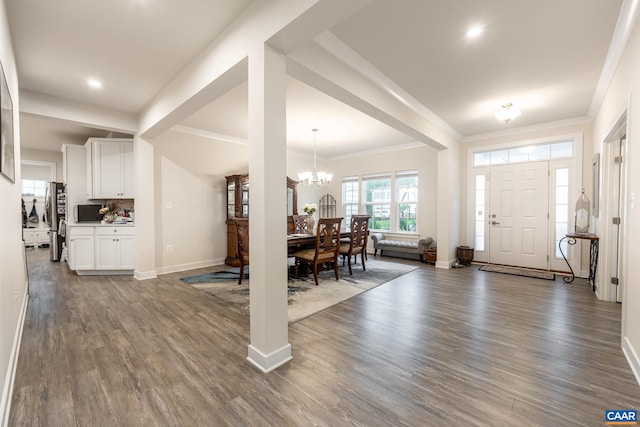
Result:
238,207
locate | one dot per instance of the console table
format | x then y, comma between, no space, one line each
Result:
572,239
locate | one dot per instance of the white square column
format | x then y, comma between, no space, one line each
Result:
269,347
144,192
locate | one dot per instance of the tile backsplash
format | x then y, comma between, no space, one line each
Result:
121,205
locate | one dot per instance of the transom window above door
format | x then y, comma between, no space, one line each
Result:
528,153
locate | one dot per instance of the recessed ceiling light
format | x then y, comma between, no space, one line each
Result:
474,31
94,83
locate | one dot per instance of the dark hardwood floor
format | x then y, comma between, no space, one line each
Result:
432,348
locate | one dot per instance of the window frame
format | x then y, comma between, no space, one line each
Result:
399,203
348,213
389,204
387,193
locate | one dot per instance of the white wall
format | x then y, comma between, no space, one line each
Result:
190,177
44,156
623,94
422,158
190,173
13,286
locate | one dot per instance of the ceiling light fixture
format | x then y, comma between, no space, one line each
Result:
318,178
474,32
94,83
507,112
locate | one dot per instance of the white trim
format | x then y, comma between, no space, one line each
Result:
209,135
105,272
444,264
383,150
5,404
604,289
533,128
144,275
332,44
632,358
268,362
623,30
190,266
53,167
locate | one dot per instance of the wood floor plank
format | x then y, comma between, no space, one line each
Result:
433,347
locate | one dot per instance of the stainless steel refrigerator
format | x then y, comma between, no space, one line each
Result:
55,215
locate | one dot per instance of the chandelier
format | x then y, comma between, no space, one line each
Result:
315,177
507,112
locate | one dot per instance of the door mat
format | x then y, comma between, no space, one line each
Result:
519,271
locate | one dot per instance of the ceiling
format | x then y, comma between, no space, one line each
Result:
546,56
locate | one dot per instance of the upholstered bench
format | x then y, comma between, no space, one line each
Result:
400,248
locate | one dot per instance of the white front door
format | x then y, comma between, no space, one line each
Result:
518,219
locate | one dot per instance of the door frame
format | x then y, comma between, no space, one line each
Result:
575,184
604,289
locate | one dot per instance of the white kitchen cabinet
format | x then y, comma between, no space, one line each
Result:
101,249
80,248
109,168
114,248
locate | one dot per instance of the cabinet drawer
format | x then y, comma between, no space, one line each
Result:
80,231
113,231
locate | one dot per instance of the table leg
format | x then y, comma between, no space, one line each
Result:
593,263
570,241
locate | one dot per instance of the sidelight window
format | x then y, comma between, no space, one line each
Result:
562,209
480,212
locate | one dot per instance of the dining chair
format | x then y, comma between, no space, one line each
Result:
357,243
325,250
242,237
300,224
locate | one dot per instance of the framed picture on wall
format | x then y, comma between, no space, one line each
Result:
7,158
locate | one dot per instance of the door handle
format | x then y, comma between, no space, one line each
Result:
495,223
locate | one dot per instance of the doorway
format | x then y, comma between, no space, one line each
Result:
534,183
519,220
36,176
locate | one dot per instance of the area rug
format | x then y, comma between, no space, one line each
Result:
519,271
218,276
305,298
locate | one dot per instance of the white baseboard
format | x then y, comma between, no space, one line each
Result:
190,266
632,358
444,264
5,404
268,362
144,275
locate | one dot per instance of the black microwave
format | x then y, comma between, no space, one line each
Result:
87,213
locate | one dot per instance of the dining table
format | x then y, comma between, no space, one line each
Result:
295,242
